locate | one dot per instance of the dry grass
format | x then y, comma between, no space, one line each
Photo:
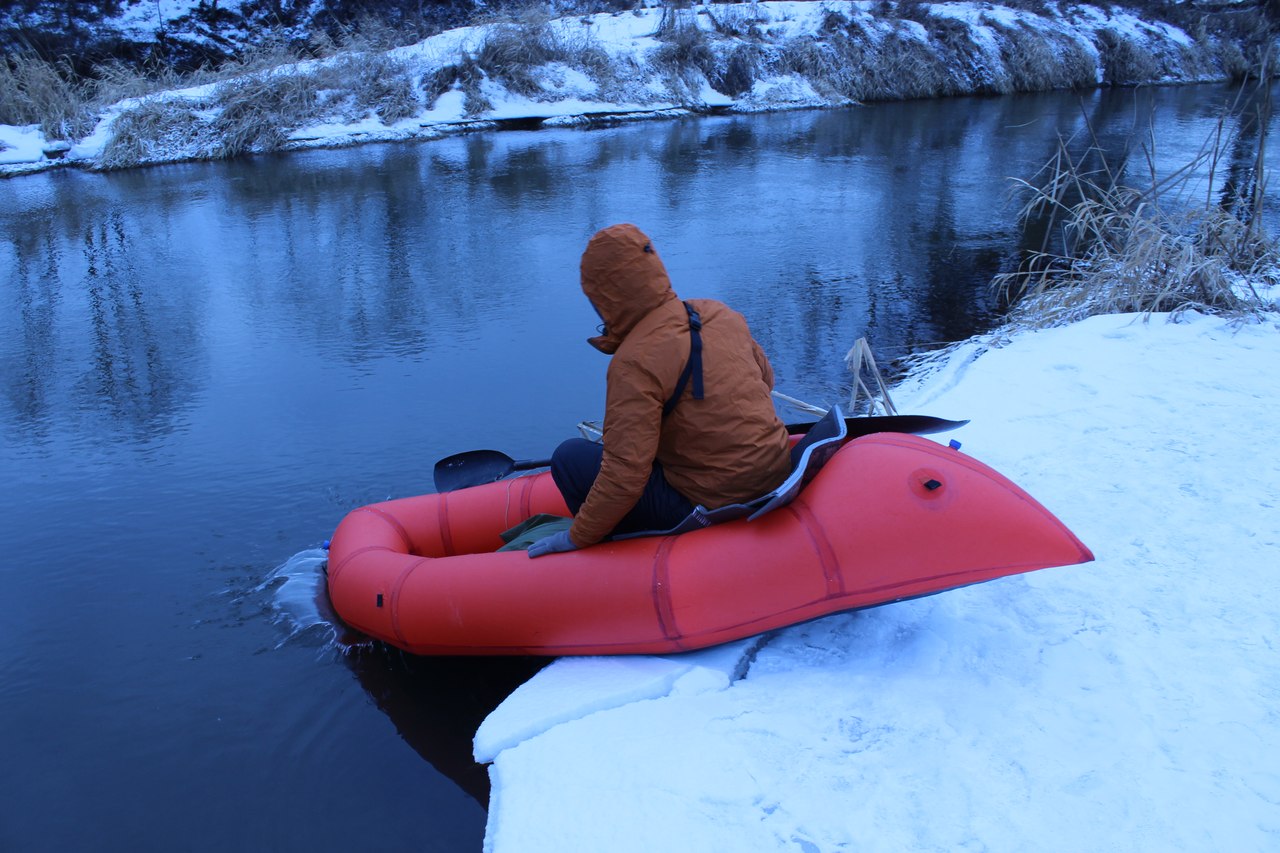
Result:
819,62
1035,64
467,75
114,81
895,66
154,131
33,91
258,111
1141,249
516,52
1124,61
686,47
377,83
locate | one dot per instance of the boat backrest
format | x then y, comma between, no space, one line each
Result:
807,458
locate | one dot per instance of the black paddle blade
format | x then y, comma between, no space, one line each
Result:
477,467
868,424
471,468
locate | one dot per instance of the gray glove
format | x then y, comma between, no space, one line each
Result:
554,544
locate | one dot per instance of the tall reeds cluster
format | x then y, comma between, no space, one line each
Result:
46,93
1124,240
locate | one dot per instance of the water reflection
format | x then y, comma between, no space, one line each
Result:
437,704
97,338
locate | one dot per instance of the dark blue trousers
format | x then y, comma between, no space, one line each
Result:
574,467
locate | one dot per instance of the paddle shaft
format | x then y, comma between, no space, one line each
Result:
473,468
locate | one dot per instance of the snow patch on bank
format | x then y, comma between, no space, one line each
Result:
572,688
1123,704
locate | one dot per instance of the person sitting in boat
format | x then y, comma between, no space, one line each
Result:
689,416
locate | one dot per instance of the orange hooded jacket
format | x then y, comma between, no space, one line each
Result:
726,448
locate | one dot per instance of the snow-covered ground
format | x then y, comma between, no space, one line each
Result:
1132,703
639,84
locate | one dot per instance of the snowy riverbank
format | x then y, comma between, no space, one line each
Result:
1125,704
639,64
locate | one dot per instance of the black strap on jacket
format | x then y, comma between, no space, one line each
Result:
693,367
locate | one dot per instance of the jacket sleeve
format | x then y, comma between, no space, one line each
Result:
632,427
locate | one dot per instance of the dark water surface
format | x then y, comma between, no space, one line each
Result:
204,367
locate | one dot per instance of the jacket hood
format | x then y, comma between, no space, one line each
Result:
624,278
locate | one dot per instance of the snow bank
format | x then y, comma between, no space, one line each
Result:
1123,704
838,42
21,144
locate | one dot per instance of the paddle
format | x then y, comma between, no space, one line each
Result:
476,467
868,424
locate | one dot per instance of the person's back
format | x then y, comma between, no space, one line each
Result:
729,446
718,441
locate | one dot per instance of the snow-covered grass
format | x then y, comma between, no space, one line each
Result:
1125,704
642,63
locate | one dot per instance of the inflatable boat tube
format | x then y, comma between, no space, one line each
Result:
889,517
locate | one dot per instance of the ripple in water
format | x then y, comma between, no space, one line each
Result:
300,603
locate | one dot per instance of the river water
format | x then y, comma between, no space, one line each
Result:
203,367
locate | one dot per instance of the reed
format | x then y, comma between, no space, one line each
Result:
1130,246
33,91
